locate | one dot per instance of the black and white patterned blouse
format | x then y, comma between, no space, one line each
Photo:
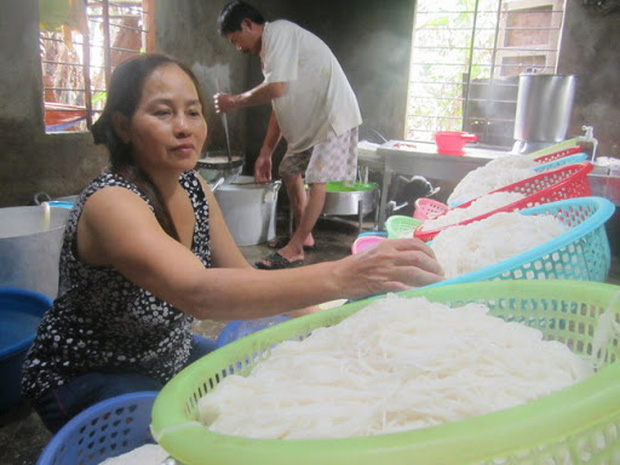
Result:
101,322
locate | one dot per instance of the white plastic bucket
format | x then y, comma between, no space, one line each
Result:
249,209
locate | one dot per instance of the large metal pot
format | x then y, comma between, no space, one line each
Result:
249,209
30,243
544,106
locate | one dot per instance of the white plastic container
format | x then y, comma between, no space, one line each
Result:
249,209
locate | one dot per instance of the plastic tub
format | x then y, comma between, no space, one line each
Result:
20,314
110,428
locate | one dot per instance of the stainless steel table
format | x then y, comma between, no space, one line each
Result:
605,184
411,158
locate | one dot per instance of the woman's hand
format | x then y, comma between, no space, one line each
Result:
391,266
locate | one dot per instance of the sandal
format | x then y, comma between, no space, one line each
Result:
281,241
278,242
275,261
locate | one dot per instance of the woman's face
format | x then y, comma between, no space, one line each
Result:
168,130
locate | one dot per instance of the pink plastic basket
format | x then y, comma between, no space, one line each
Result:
426,208
365,242
565,182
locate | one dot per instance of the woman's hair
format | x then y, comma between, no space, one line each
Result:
233,13
123,96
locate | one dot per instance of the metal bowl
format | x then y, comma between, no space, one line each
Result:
343,198
216,168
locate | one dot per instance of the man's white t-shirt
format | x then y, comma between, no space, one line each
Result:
318,101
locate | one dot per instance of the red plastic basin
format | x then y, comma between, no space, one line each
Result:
452,142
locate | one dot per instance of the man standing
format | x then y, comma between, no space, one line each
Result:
313,108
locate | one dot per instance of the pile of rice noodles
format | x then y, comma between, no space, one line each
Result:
480,206
398,364
148,454
465,248
497,173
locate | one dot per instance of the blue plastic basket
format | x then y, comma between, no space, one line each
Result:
582,253
20,314
239,328
551,165
110,428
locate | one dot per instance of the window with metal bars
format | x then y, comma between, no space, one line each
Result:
81,42
466,59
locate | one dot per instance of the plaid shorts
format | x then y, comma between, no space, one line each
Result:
334,159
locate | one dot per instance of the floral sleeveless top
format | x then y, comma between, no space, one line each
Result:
101,322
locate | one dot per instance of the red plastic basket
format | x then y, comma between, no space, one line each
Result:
565,182
426,208
559,154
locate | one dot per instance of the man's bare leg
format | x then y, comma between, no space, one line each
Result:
298,197
307,208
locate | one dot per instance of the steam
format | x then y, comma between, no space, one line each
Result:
208,76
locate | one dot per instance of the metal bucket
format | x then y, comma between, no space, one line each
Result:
249,209
30,243
544,106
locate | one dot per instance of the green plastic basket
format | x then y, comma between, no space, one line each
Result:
579,424
399,226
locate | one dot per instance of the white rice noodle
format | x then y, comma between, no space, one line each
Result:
398,364
499,172
148,454
465,248
607,329
480,206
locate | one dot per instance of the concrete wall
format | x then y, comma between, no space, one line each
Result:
31,161
370,38
591,50
187,29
